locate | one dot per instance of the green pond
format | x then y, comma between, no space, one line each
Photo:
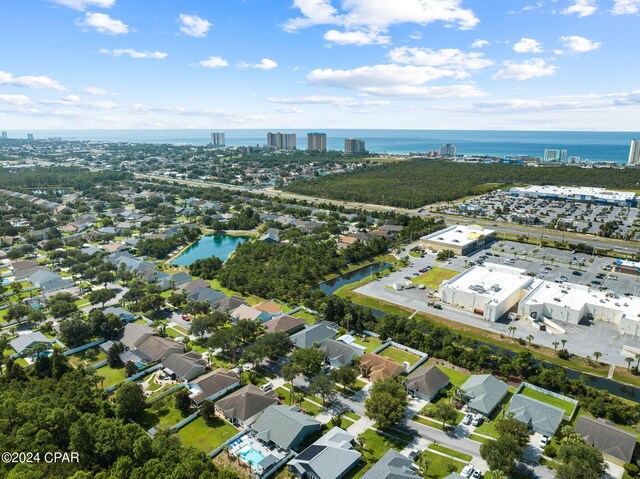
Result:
220,246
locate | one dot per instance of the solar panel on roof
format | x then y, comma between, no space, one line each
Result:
310,452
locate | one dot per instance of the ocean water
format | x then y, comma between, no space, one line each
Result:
594,146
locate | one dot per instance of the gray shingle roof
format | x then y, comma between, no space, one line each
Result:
392,465
607,437
214,382
26,341
284,323
428,380
245,403
316,333
539,416
339,351
185,366
157,348
284,426
133,333
484,392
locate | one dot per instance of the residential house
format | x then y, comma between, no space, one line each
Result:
248,312
317,333
539,416
242,407
205,295
330,457
192,285
122,314
338,353
213,385
133,334
229,304
157,348
379,368
392,465
284,323
426,382
612,441
25,343
185,367
272,235
285,426
483,393
49,281
270,309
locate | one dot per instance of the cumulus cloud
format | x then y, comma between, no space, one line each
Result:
339,101
82,5
527,45
193,25
103,23
626,7
96,91
358,38
579,44
214,62
378,15
534,68
290,109
30,81
395,80
479,43
447,57
118,52
15,99
265,64
582,8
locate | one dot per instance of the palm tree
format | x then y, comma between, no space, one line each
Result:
637,360
512,330
629,361
530,338
555,345
564,342
598,354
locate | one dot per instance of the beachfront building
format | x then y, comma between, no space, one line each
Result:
488,290
281,141
217,140
354,146
634,153
555,155
317,141
448,150
461,239
584,194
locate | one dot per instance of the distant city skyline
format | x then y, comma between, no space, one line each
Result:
418,64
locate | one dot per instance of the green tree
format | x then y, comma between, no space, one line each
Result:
208,413
580,461
321,385
101,296
129,400
445,412
386,403
183,401
17,312
308,361
346,375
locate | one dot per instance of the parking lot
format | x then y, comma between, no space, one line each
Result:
555,214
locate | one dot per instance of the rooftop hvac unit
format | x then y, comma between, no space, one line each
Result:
557,299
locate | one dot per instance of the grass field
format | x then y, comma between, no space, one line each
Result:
306,405
457,378
371,343
547,399
206,438
375,446
439,466
434,277
162,413
451,452
308,317
111,376
399,355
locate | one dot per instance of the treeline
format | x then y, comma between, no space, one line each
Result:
59,176
57,409
411,184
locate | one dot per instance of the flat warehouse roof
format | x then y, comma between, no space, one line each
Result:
459,235
494,281
578,192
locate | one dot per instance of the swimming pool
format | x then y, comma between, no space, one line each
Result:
250,454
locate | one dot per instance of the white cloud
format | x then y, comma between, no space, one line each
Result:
214,62
395,80
15,99
479,43
534,68
527,45
30,81
96,91
265,64
447,57
416,36
83,4
582,8
118,52
103,23
358,37
626,7
71,98
378,15
290,109
339,101
579,44
193,25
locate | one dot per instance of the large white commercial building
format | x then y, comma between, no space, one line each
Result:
634,153
572,303
488,290
555,155
461,239
217,139
448,150
281,141
580,193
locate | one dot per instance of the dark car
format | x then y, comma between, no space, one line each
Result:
577,273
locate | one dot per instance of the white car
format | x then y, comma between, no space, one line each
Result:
467,471
544,441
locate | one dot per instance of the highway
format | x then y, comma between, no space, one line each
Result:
627,247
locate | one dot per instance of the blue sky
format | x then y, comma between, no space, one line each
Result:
419,64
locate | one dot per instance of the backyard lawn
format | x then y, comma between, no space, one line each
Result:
434,277
308,317
440,465
87,357
399,355
162,413
206,438
375,446
547,399
111,376
457,378
371,343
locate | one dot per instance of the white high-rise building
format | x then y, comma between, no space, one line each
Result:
317,141
217,139
4,135
281,141
574,159
354,146
634,153
555,155
448,150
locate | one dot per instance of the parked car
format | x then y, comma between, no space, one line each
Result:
185,317
467,471
577,273
477,420
267,387
468,419
476,474
544,441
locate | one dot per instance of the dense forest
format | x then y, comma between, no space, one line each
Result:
55,408
59,176
411,184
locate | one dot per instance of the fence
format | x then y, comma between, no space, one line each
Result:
98,365
134,377
423,357
220,448
92,344
301,308
276,467
185,421
165,393
552,394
